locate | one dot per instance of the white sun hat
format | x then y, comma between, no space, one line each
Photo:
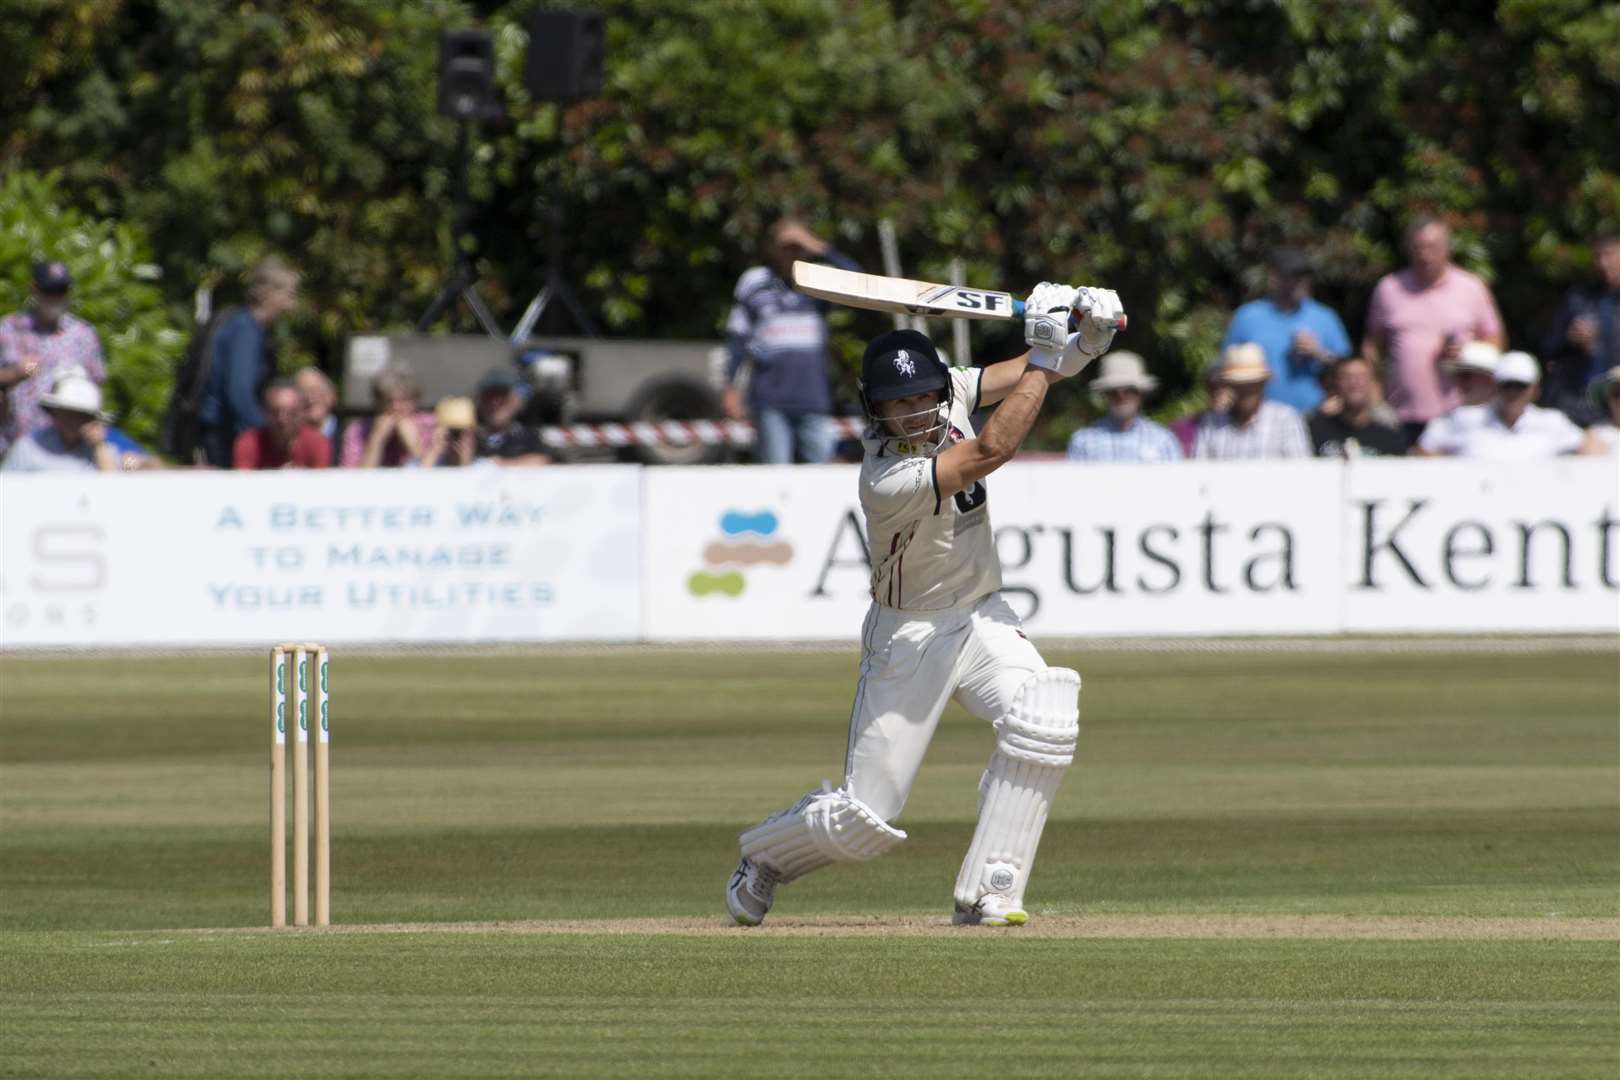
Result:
1124,370
74,392
1480,356
1518,367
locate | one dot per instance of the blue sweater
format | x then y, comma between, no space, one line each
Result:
237,372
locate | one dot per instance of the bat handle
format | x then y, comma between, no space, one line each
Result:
1074,323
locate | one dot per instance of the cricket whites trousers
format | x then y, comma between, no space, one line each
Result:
912,664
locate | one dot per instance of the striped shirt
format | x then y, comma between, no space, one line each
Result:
783,333
1275,431
1142,441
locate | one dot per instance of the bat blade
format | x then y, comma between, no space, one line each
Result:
874,292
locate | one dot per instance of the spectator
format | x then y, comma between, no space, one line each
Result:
1124,434
1354,429
286,441
239,363
502,438
1252,428
38,347
399,434
454,443
1585,339
1420,318
1511,427
74,438
1605,434
1300,336
784,334
1474,373
1219,396
321,397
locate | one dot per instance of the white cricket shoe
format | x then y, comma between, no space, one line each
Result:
993,910
751,892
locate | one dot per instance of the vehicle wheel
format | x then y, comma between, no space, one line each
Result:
676,397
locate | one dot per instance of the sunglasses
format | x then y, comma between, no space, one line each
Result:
1513,387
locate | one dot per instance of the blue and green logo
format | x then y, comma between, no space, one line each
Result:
745,542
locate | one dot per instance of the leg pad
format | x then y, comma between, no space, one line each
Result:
1034,745
823,828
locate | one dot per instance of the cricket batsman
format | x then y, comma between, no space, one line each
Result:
937,627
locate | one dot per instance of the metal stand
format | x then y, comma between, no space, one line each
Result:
463,275
555,288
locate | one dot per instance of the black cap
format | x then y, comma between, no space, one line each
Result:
899,364
497,379
1290,262
52,277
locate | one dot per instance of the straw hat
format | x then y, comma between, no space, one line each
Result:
1124,371
1244,363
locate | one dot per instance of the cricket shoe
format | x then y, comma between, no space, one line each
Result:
991,911
751,892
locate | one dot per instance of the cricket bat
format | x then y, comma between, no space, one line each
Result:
875,292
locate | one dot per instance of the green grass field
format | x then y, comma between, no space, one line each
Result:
1265,864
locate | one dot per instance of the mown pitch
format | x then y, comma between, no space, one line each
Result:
1265,865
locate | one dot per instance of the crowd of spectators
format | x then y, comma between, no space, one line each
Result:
1430,379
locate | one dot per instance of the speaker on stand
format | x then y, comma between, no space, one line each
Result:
564,64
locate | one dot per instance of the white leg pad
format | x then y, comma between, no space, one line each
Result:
1034,745
823,828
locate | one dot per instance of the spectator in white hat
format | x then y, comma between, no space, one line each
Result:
1606,393
1252,428
1124,434
1473,373
76,437
1512,427
39,346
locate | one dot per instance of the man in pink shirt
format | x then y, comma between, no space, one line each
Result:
1420,318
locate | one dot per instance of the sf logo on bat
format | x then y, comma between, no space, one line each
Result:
965,299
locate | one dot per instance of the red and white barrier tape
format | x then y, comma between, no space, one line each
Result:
675,433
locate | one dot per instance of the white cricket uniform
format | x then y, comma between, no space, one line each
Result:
937,627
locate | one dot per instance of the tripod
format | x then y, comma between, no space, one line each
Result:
555,288
463,281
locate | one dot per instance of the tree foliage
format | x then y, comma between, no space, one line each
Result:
1159,146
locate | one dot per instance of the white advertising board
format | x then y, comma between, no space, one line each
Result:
1198,548
1126,549
484,554
1455,545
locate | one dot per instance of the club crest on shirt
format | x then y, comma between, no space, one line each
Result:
904,364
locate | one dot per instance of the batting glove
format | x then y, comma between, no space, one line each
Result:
1046,316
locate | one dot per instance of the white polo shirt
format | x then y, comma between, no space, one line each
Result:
1477,431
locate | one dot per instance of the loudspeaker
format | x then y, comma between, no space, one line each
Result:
565,55
467,75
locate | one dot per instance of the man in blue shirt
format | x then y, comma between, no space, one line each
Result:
784,334
1299,336
1124,434
239,365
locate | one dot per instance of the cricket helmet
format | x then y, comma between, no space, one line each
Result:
903,363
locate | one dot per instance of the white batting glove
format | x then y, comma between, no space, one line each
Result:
1046,316
1101,314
